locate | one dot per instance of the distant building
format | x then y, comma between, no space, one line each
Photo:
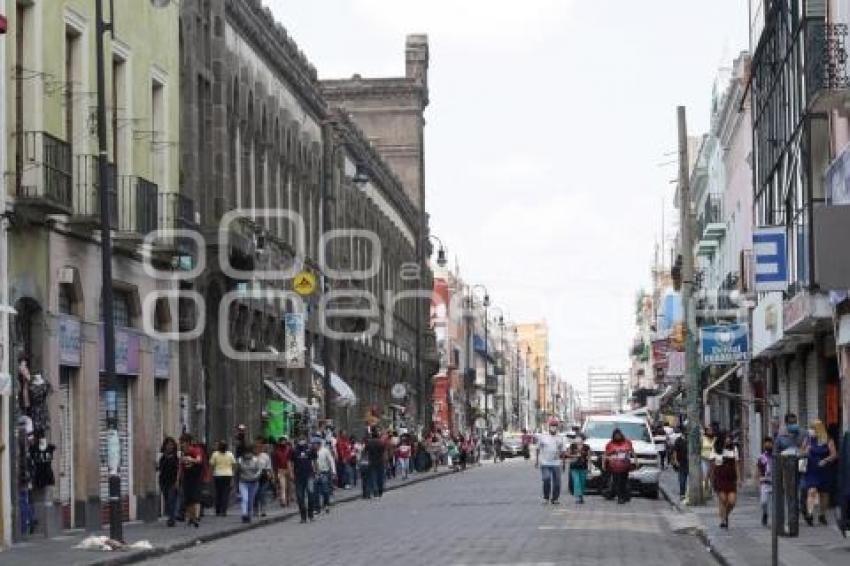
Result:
607,390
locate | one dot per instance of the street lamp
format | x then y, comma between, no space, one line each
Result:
441,251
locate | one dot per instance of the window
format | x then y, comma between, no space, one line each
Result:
66,299
121,311
157,127
72,53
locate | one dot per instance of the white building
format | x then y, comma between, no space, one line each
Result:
607,390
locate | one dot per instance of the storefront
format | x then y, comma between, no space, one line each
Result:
70,359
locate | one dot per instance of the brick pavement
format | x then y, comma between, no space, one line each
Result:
59,550
490,516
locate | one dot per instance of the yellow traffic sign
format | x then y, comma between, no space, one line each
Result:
304,283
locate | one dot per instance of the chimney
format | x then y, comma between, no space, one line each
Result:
416,58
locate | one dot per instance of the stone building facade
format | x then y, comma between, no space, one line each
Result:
260,133
55,254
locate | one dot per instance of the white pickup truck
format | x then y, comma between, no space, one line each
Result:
598,430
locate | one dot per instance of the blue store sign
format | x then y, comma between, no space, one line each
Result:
724,344
771,258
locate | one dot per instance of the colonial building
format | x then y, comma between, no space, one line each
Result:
274,166
53,187
390,112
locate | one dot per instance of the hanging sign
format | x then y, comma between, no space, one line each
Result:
294,339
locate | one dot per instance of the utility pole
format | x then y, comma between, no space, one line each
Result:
113,456
695,493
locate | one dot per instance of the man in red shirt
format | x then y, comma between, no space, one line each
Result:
281,456
343,454
619,455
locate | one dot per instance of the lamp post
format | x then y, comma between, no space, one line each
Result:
441,251
113,441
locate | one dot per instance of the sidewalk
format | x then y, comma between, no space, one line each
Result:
747,542
60,549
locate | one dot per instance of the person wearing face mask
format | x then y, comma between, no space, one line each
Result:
725,474
580,455
619,455
820,452
550,450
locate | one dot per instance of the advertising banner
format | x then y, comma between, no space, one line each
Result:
69,340
294,338
126,351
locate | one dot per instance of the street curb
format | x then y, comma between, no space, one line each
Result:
700,532
138,556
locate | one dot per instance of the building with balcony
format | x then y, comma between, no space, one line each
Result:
53,192
798,80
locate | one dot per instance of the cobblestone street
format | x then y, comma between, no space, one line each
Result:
492,515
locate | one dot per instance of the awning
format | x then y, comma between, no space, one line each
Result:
345,395
286,394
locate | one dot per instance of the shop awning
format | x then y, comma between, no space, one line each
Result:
285,393
345,395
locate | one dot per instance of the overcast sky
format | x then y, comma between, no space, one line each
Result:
547,124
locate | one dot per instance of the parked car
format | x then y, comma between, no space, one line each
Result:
598,430
511,445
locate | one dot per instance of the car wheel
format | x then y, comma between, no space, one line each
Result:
651,492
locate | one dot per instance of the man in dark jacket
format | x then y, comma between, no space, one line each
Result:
376,451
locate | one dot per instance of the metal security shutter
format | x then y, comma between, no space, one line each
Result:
814,387
66,447
124,468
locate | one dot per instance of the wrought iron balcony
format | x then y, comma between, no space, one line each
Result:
138,205
713,225
87,191
46,173
827,80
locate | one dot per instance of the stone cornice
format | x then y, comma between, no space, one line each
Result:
388,182
269,38
381,88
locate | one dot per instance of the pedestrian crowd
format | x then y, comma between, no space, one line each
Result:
798,473
304,471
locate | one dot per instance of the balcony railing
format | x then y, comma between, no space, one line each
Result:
711,225
827,80
138,205
46,174
87,190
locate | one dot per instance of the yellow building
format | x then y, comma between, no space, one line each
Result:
534,343
53,186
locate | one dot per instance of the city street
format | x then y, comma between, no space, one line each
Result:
491,515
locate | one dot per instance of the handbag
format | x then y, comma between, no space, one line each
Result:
207,497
